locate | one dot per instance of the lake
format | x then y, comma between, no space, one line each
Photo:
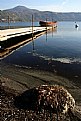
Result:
58,51
5,25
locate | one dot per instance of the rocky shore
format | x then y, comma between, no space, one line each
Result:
14,81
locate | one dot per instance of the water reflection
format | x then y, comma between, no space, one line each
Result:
58,51
52,32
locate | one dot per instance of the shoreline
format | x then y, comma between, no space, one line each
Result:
16,80
23,78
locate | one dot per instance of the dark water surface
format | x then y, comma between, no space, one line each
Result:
58,51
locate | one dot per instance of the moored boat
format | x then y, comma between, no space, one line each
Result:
48,23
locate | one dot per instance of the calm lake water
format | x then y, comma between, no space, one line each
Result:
59,51
17,24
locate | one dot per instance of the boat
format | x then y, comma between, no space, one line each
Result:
76,26
48,23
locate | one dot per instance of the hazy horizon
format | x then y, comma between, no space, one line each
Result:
44,5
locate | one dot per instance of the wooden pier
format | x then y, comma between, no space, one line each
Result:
11,39
10,33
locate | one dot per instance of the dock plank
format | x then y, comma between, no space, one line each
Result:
9,33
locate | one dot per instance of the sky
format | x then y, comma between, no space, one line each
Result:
44,5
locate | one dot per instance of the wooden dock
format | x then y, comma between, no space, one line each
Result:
11,39
12,33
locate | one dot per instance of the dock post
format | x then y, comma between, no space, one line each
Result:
46,30
32,33
9,22
52,25
46,25
32,26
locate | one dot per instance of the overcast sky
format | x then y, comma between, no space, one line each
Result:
44,5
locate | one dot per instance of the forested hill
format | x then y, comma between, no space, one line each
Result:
21,13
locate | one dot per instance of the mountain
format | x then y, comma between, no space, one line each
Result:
21,13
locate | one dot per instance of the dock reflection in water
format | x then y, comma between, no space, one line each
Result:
13,38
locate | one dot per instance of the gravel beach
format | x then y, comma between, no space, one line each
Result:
15,80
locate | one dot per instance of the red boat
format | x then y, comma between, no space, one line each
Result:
48,23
